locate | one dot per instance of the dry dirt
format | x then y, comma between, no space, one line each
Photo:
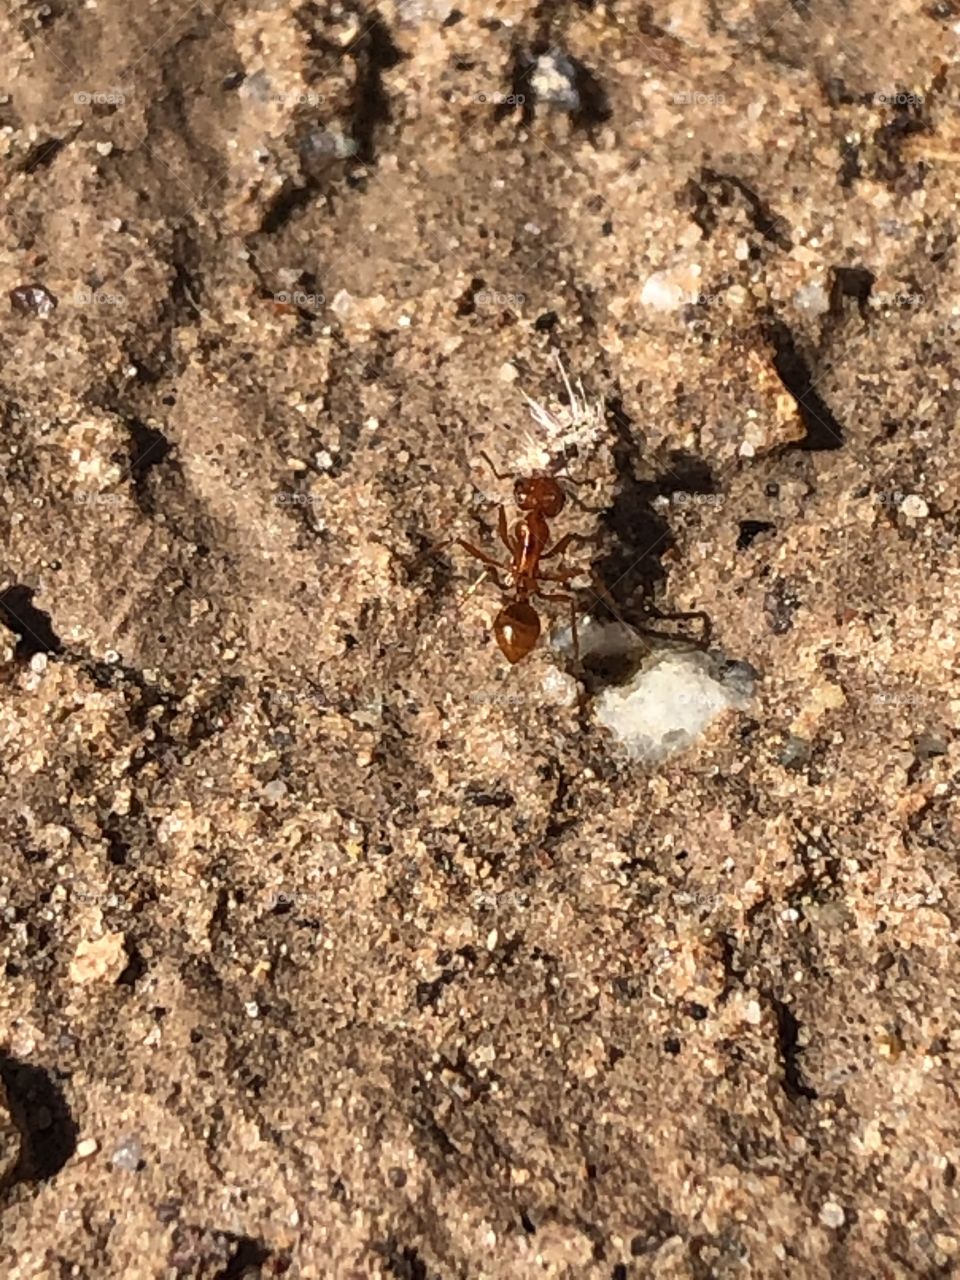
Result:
334,946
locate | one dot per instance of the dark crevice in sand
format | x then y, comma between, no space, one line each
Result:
716,190
638,535
375,53
41,1113
788,1047
43,153
148,449
594,106
288,201
403,1261
186,291
196,1250
32,625
520,94
824,431
850,282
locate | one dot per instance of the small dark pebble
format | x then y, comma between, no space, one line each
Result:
928,745
796,753
32,300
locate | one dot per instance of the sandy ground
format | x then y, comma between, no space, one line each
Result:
333,945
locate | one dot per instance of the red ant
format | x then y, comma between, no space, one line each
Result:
517,625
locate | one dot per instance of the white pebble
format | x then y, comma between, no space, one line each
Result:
127,1155
342,304
38,662
671,700
914,506
274,791
554,80
812,298
662,293
87,1147
831,1215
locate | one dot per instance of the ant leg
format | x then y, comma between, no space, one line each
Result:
702,617
593,511
489,572
560,547
483,556
504,531
567,540
601,592
487,459
566,599
468,594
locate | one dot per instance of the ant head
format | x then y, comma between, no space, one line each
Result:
539,493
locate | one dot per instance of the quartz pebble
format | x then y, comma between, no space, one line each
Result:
128,1155
914,506
831,1215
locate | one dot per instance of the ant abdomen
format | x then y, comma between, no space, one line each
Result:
517,629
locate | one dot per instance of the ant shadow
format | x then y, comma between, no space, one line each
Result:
641,537
41,1113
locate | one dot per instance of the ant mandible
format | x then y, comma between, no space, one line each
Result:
517,626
